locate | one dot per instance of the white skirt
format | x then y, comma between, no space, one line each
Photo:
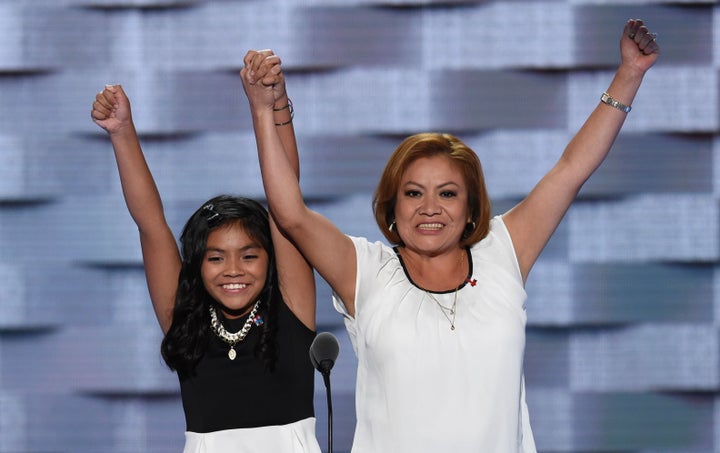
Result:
298,437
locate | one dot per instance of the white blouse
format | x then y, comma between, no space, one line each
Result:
422,387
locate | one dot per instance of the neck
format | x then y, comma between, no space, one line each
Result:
439,273
232,313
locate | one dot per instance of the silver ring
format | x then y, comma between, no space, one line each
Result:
631,36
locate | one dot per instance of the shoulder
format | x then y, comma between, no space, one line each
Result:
376,261
497,247
289,322
373,251
498,235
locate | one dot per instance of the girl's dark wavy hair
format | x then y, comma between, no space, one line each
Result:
189,334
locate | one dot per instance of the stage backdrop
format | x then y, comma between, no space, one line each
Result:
623,307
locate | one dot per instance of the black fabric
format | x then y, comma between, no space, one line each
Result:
240,393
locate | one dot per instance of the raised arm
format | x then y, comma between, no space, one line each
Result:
161,258
325,247
295,275
533,220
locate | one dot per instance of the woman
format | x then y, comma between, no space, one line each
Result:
438,320
237,306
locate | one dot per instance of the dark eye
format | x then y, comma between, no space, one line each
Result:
412,193
448,194
213,258
250,257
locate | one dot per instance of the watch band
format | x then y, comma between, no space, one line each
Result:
612,102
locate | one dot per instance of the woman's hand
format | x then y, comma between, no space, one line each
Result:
638,47
262,79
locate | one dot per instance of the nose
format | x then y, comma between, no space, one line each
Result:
234,267
430,206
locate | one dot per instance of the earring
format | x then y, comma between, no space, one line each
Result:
392,226
472,225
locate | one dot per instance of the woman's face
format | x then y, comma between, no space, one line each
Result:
431,211
234,268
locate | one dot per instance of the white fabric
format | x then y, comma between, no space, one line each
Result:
422,387
298,437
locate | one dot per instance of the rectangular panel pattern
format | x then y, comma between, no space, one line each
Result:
624,305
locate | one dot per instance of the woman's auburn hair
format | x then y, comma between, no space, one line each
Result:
429,144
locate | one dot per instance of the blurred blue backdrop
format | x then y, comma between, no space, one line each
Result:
623,307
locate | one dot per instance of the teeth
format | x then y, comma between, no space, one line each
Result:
430,226
234,286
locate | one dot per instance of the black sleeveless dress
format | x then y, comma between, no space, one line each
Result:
226,394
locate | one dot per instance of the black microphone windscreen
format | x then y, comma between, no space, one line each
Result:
324,349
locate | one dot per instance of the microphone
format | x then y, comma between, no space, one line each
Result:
323,352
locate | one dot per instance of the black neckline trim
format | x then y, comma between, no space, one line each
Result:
468,278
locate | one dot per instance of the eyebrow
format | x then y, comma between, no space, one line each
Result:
441,186
242,249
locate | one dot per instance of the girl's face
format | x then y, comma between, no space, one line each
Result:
431,211
234,269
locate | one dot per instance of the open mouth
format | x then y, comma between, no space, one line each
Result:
431,226
234,286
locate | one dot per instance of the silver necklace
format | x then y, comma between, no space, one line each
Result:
232,338
449,312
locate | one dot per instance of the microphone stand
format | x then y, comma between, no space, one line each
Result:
325,365
323,352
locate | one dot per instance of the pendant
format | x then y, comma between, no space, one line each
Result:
231,353
452,327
